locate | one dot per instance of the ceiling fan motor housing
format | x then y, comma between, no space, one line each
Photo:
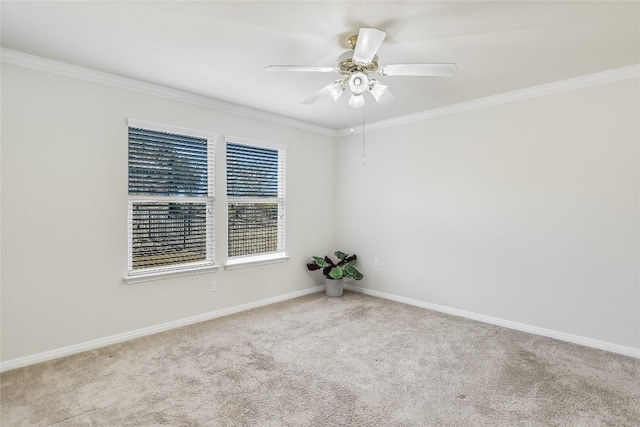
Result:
347,66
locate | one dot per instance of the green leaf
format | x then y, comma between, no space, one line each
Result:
352,259
341,255
351,271
312,266
320,262
336,273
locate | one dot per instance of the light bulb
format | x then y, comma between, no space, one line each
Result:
356,100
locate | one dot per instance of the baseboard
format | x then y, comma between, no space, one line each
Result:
114,339
575,339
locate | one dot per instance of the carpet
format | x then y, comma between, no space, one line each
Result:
317,361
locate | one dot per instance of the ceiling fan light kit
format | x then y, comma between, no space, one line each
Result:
356,100
336,89
358,83
357,65
377,89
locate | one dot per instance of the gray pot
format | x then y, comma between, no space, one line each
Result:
333,288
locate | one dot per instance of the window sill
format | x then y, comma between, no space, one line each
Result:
251,261
167,274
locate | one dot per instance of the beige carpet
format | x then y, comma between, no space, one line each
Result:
315,361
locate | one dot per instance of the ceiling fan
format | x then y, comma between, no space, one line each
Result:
358,66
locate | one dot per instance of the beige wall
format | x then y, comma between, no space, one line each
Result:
526,211
64,213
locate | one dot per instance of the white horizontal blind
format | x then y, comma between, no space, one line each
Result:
167,164
170,200
256,199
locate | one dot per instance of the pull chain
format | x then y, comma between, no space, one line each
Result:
363,143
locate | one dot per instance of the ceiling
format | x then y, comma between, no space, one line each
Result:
220,49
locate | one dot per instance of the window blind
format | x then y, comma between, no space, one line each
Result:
167,164
251,171
170,200
256,199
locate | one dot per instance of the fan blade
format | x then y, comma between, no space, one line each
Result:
333,90
367,45
317,96
299,68
439,70
387,98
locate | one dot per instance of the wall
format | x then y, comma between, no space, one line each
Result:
64,219
527,211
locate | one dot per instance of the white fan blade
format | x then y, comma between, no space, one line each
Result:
387,98
299,68
332,90
438,70
367,45
322,93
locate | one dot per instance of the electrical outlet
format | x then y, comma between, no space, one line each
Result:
376,262
213,286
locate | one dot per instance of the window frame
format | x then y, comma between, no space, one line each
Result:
198,267
280,255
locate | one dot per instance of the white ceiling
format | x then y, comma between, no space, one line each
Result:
220,49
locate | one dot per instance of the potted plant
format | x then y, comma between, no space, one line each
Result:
334,272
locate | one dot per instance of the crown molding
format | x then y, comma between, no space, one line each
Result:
614,75
43,64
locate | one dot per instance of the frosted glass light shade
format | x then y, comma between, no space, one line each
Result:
378,90
335,90
358,83
356,101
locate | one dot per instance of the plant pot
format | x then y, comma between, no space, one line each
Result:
333,288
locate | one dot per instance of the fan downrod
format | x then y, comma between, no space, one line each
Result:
351,41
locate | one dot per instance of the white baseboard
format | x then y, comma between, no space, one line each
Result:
575,339
102,342
114,339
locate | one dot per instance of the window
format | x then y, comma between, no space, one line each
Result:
255,202
171,200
